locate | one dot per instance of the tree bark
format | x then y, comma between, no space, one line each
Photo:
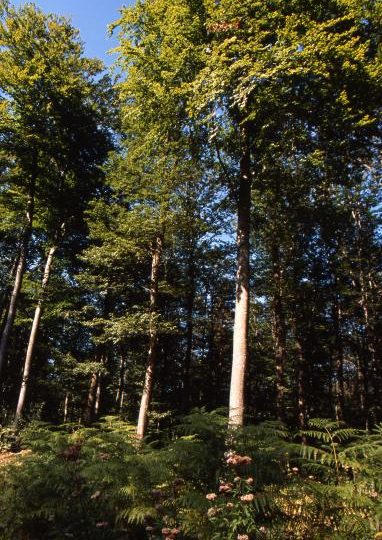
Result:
19,276
190,299
121,383
367,367
7,290
66,407
339,392
301,404
97,404
279,331
91,401
153,339
33,334
240,331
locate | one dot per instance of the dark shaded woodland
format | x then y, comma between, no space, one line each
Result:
190,254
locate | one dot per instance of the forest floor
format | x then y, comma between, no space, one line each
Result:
8,457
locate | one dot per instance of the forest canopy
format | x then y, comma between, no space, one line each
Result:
190,273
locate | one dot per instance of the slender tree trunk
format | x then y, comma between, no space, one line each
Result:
367,368
122,400
95,389
339,392
279,332
240,331
66,407
212,386
190,299
19,275
91,401
7,290
153,339
369,361
97,404
300,375
121,383
11,313
33,334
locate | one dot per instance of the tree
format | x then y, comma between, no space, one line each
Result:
57,130
261,69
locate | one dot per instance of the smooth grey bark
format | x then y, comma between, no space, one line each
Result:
33,334
153,339
240,331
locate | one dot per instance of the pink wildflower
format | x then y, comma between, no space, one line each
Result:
247,498
235,459
225,488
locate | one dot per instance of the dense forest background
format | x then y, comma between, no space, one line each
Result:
194,234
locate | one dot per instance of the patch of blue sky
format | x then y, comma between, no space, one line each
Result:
91,17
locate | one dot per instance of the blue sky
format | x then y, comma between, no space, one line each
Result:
91,17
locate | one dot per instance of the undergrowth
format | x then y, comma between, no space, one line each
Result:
260,483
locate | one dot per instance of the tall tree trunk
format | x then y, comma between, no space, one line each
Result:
153,339
66,407
7,290
97,404
240,331
339,392
279,331
211,386
300,387
367,367
95,389
301,402
190,299
92,396
121,383
19,275
33,334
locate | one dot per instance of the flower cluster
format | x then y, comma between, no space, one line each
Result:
247,498
170,534
230,502
234,460
225,487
